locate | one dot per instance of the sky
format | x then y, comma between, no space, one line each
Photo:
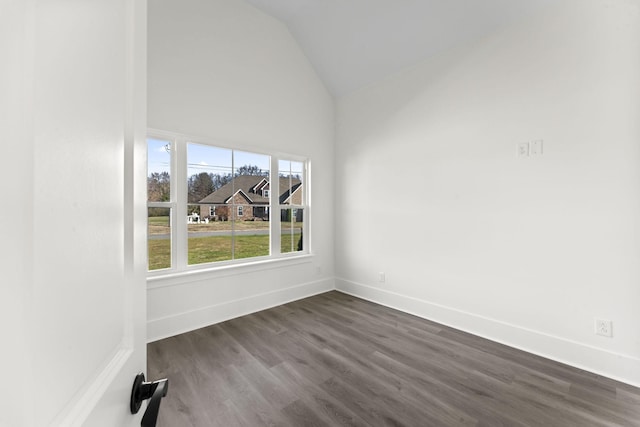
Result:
157,156
206,158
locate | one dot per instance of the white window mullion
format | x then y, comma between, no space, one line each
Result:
274,208
179,168
233,211
306,202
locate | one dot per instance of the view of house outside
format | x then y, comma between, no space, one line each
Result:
228,204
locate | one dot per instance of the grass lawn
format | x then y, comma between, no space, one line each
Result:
226,225
158,220
160,225
217,248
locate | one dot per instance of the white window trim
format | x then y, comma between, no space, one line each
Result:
291,195
305,206
178,205
258,185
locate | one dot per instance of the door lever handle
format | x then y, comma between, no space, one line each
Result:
142,391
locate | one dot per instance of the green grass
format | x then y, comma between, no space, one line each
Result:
161,225
217,248
158,220
289,242
159,254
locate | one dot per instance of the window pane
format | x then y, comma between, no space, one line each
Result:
158,170
250,184
228,211
210,233
290,179
291,223
251,204
159,238
209,185
208,170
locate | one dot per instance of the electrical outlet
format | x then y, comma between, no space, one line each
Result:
381,277
523,149
603,327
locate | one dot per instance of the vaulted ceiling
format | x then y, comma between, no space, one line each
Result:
353,43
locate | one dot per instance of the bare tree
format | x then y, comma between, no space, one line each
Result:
159,187
251,170
199,186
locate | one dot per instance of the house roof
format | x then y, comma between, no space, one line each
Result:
288,192
246,184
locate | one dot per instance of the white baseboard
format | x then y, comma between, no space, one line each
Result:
169,326
616,366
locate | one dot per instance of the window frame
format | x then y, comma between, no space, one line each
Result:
171,204
293,207
179,206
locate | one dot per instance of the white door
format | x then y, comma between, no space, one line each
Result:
72,215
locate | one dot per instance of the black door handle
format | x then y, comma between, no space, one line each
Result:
142,391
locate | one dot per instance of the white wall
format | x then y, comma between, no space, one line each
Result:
16,43
222,70
526,251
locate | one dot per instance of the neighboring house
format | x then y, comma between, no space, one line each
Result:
246,197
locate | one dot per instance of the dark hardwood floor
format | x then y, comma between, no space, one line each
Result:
333,360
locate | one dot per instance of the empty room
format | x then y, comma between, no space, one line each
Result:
321,213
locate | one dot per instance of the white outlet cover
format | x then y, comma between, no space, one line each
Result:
603,327
535,148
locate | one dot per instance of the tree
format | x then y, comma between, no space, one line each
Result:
251,170
159,187
220,180
199,186
289,175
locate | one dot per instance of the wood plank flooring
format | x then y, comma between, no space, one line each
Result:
336,360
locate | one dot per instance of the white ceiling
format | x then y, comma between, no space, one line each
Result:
352,43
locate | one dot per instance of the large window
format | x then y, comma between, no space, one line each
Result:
210,204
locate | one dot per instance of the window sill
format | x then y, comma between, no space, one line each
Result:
176,278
